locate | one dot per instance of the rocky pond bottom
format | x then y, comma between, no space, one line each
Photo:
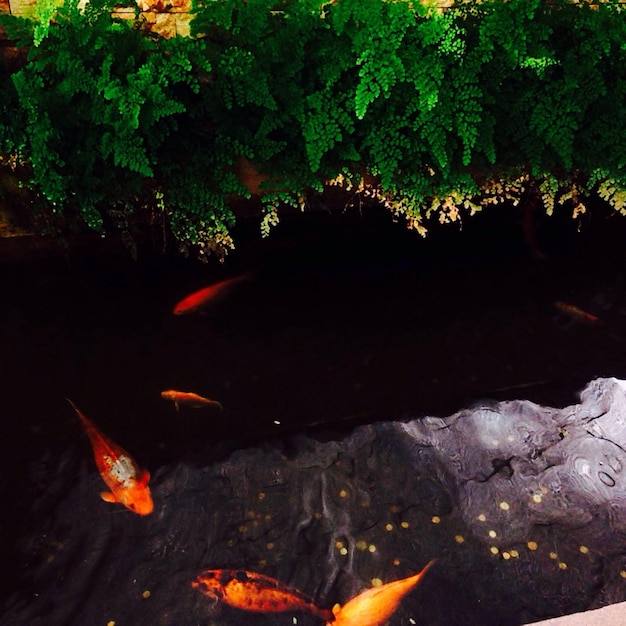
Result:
523,508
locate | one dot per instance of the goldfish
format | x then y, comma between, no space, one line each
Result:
189,399
250,591
127,482
576,313
199,299
375,606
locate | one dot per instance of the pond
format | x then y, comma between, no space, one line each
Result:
346,327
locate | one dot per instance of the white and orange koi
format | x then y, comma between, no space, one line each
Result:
375,606
127,482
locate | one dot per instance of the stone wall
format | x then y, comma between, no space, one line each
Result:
165,17
168,18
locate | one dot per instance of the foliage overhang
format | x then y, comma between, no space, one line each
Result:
433,112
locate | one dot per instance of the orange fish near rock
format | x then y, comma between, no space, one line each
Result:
127,482
202,298
189,399
375,606
254,592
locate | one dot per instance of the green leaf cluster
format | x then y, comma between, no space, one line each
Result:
433,112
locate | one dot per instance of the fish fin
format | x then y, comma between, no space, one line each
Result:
327,615
144,477
107,496
428,566
336,609
76,409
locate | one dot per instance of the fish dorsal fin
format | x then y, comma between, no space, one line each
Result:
336,609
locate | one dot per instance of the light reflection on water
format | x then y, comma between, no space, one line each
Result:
364,340
332,518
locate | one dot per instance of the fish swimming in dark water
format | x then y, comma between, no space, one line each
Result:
250,591
576,314
127,482
189,399
202,298
375,606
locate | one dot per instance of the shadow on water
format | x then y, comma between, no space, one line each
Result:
347,320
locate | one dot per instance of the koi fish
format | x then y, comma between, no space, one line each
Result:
576,313
199,299
189,399
127,482
250,591
375,606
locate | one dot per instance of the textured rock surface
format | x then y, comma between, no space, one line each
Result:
22,8
168,18
612,615
522,506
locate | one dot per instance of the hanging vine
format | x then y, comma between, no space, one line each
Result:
435,113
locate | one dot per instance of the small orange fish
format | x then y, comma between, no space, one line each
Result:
127,482
576,313
199,299
375,606
189,399
250,591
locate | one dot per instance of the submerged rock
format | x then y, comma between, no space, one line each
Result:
522,506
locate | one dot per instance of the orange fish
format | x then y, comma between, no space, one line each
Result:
576,313
189,399
199,299
254,592
375,606
127,482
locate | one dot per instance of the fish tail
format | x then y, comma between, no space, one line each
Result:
82,417
88,425
411,582
426,568
326,614
71,404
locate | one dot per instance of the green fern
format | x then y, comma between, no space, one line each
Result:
433,113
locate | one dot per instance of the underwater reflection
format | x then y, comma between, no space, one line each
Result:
523,507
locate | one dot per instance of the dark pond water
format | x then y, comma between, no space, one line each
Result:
347,319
